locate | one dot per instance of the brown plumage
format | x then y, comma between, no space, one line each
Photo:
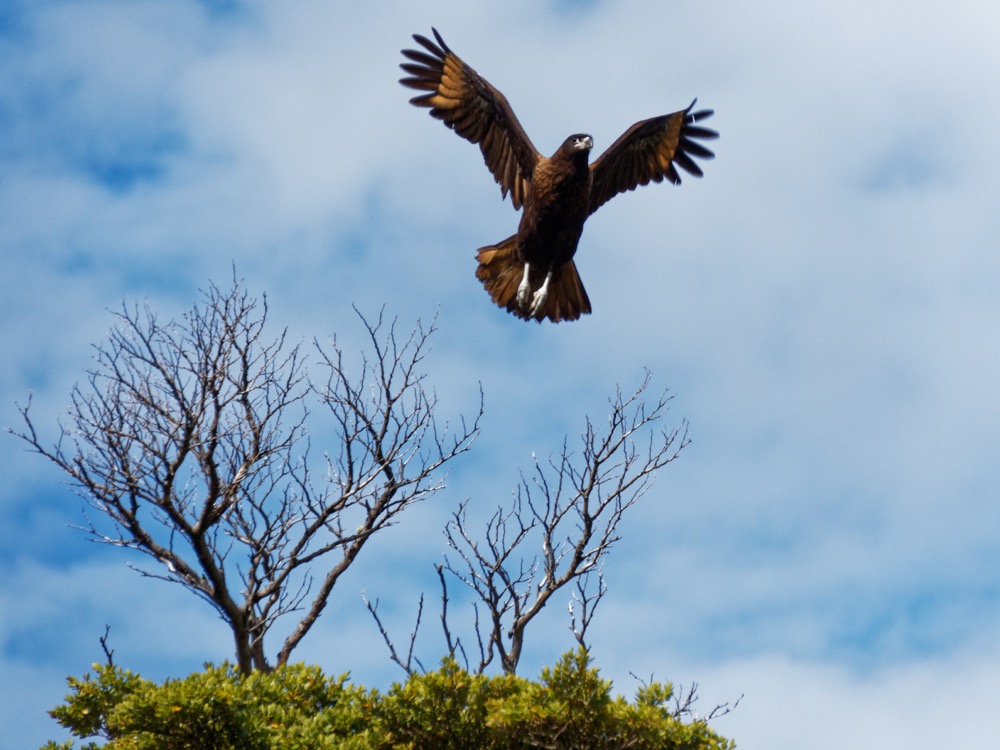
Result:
532,273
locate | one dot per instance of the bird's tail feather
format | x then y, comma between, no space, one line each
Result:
500,271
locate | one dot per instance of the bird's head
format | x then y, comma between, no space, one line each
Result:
578,142
576,149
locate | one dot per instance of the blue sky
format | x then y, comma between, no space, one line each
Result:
823,305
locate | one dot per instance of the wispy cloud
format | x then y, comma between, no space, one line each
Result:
823,304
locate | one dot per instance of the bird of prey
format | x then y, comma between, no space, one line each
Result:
532,273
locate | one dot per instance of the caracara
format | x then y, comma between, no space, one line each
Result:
532,274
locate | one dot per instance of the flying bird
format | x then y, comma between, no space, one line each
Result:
532,273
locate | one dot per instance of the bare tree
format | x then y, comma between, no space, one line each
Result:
189,439
557,531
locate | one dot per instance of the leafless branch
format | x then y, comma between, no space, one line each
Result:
454,644
189,442
408,663
109,653
684,701
722,709
568,510
583,603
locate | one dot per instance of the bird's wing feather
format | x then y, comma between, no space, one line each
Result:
650,151
474,109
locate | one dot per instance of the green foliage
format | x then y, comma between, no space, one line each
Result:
298,708
94,698
571,708
217,709
448,709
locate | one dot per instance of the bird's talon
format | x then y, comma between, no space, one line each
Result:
524,288
522,295
538,300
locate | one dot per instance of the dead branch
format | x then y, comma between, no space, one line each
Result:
189,442
560,525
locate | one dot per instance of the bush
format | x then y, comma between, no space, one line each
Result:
297,708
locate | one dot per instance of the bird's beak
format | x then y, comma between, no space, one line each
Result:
587,143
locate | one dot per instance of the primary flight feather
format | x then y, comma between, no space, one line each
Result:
532,274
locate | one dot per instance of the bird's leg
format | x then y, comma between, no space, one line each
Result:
524,288
538,301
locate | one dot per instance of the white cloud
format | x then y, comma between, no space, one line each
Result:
823,303
791,704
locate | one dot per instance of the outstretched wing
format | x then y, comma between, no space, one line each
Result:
649,151
468,104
